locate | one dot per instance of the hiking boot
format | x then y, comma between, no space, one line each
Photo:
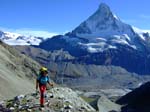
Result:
42,105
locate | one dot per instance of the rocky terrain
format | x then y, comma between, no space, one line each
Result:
60,99
80,75
17,72
64,99
96,97
137,100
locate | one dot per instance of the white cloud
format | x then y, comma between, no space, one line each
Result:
30,32
144,16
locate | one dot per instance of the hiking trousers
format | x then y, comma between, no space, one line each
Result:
42,94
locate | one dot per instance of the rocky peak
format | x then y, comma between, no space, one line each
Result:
103,12
103,23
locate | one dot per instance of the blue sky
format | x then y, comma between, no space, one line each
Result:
59,16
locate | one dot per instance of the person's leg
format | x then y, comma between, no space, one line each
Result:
42,91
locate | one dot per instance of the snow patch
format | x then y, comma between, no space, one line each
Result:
140,32
116,17
98,47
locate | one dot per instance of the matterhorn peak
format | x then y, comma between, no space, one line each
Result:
103,23
103,13
103,5
104,9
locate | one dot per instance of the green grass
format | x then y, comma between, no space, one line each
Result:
91,100
88,99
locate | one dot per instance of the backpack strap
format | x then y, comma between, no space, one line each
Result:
39,78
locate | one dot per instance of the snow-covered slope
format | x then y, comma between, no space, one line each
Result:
17,39
142,33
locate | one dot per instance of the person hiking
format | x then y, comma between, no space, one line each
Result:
41,82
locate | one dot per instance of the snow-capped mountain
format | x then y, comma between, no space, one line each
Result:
103,23
18,39
104,30
104,39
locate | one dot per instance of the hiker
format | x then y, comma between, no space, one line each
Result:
41,82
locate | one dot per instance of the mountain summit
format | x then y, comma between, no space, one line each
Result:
103,23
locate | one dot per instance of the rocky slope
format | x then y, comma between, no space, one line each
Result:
80,75
62,99
105,105
137,100
58,99
17,72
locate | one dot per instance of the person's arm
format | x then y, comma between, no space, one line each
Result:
37,84
51,84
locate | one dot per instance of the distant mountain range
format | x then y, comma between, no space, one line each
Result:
101,31
18,39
